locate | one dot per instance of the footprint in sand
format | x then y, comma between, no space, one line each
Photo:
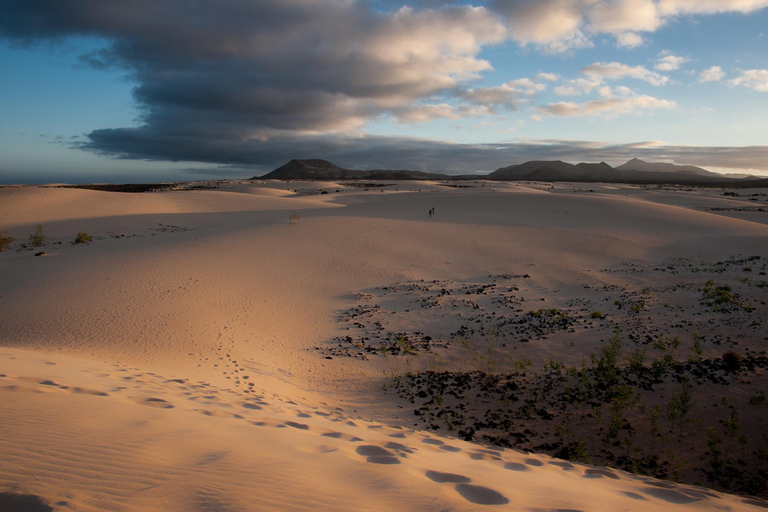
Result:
671,496
153,402
449,448
567,466
300,426
399,447
22,389
435,442
86,391
516,466
481,495
442,478
377,454
345,437
534,462
600,473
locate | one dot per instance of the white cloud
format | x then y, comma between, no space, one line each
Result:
543,21
756,79
558,26
618,16
629,40
616,71
713,74
669,62
606,107
675,7
510,95
547,77
577,86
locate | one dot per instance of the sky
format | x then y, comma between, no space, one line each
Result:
179,90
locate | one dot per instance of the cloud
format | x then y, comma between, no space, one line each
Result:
577,87
669,62
756,79
430,112
677,7
609,106
713,74
547,77
509,96
557,26
243,69
629,40
616,71
619,16
366,152
543,21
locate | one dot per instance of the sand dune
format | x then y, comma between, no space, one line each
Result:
182,360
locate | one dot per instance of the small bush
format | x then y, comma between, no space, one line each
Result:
294,218
5,240
596,314
37,238
82,238
732,361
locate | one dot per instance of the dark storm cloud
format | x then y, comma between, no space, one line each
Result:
256,67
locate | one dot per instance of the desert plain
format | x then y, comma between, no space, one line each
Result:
266,345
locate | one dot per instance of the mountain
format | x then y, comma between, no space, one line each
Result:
316,169
312,169
634,171
539,170
639,165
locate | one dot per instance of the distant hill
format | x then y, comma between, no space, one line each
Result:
639,165
539,170
316,169
634,171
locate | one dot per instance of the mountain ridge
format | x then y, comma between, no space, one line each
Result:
633,171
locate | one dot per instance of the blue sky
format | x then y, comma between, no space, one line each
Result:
99,91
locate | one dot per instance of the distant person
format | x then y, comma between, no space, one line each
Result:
433,210
430,212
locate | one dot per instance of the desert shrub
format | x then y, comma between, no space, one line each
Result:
5,240
596,314
732,360
37,238
607,371
82,238
294,218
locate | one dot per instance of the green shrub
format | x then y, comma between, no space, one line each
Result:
5,240
596,314
82,238
37,238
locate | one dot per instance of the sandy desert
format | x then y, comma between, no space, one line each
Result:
265,345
